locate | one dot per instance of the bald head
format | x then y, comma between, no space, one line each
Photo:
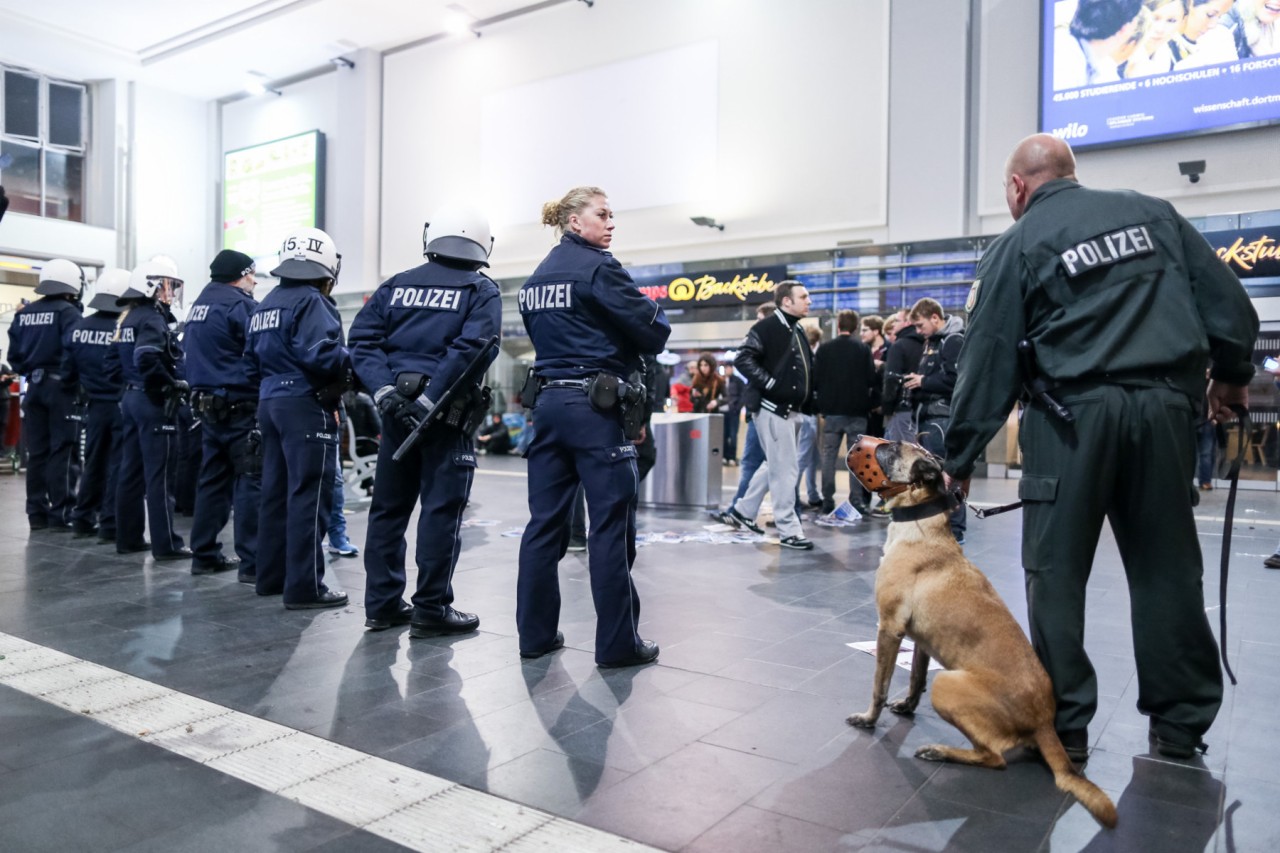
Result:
1038,159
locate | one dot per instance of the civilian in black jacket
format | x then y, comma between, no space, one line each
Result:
845,375
895,401
933,382
776,362
734,390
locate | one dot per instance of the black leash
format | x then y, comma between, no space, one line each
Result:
979,512
1233,474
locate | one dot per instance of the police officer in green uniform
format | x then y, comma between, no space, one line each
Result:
1125,305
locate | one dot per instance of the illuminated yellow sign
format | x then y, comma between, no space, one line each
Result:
708,287
1246,256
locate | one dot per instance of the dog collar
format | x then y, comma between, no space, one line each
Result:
945,502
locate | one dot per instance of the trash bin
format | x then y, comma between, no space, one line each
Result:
688,471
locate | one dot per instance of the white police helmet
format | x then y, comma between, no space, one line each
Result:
308,254
458,232
60,276
147,277
110,286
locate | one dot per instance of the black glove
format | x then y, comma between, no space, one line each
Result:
390,401
176,396
414,412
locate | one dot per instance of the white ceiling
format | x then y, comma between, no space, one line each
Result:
207,49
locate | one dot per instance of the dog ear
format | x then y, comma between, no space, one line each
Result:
927,472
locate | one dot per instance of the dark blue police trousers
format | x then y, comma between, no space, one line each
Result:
221,487
96,500
299,462
437,473
573,442
50,435
148,446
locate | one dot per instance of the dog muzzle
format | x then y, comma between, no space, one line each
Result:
864,465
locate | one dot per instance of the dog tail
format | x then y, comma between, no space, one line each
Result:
1068,779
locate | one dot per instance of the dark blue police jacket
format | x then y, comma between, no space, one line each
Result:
585,315
432,319
144,352
295,345
37,333
84,356
213,338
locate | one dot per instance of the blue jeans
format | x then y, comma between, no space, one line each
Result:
807,460
752,458
1207,445
338,520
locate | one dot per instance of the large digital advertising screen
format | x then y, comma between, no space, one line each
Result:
1114,72
270,190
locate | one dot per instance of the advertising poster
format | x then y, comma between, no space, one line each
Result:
1120,71
270,190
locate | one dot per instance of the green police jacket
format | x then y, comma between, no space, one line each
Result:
1110,286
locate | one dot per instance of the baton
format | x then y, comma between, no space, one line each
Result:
474,369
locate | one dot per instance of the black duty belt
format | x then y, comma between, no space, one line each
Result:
580,384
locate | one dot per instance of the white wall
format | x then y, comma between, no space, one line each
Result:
345,105
172,193
800,154
928,120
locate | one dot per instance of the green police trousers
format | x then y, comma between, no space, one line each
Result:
1127,458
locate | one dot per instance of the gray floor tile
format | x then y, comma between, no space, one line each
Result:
738,732
752,830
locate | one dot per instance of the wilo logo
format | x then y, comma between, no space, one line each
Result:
1075,130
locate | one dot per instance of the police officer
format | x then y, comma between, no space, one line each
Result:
36,339
590,326
226,403
146,352
296,351
411,341
1125,304
84,372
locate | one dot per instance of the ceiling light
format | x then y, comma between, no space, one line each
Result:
706,221
257,84
459,22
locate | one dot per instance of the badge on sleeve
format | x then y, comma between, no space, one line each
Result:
973,295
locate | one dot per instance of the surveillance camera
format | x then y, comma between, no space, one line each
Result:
1193,169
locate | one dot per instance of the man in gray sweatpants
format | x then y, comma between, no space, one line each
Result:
776,360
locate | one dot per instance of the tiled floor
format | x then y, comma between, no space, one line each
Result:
735,741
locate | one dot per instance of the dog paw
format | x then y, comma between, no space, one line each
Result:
903,709
862,721
931,753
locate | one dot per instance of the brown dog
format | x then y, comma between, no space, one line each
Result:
995,690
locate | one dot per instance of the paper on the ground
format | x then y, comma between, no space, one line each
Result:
842,516
905,652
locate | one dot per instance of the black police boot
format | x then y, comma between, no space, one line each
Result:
220,563
183,553
452,622
328,598
144,545
646,653
557,643
402,616
1175,744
